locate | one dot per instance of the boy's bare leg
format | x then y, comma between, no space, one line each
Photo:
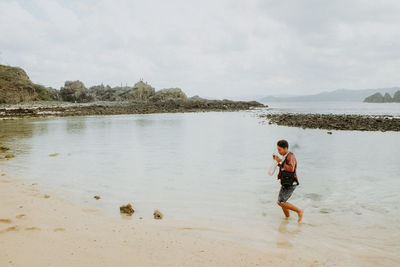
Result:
286,211
289,206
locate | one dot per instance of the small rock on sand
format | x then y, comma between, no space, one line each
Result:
9,156
5,221
127,209
97,197
158,215
54,154
46,196
329,132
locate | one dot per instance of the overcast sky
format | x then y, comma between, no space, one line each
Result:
212,48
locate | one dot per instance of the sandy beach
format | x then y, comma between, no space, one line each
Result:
44,229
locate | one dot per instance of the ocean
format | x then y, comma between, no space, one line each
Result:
212,168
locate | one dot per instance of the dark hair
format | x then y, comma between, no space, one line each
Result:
283,144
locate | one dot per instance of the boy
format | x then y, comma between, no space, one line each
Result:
287,175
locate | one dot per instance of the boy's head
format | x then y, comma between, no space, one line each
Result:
283,147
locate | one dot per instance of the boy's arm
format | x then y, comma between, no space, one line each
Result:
290,163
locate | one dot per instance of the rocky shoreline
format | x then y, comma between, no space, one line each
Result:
334,121
57,108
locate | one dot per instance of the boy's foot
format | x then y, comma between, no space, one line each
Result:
300,213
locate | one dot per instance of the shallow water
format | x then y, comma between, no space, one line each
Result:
212,167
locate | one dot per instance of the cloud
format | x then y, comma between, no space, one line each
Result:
211,48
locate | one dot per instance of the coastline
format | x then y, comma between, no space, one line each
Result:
52,231
57,108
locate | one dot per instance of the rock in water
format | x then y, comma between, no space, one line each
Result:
127,209
158,215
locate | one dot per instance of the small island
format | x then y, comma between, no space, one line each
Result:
20,97
387,98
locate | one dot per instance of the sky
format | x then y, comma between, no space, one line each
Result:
219,48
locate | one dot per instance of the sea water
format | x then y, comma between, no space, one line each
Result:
212,168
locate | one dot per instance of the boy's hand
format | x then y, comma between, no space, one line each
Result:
275,157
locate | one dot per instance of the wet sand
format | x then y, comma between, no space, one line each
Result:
38,228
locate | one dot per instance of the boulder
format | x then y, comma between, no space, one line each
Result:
105,93
169,93
158,215
75,91
141,91
127,209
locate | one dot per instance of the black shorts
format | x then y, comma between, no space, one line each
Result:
286,192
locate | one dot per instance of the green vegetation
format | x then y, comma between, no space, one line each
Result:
42,92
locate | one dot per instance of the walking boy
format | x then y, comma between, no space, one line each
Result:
287,175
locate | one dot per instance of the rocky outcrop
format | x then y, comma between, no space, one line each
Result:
142,98
43,109
196,98
142,91
169,93
387,98
334,122
103,93
75,91
15,85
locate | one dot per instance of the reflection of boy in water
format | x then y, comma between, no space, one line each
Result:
289,164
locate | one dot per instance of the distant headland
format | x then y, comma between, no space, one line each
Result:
387,98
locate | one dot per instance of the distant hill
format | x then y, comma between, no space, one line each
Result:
387,98
336,95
